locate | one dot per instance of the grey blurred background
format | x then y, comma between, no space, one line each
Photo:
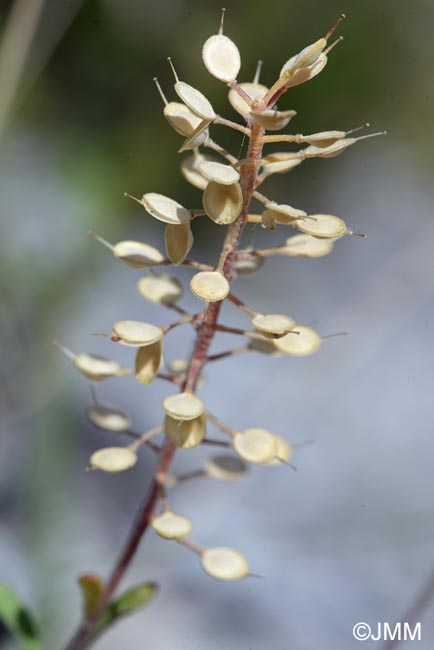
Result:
348,537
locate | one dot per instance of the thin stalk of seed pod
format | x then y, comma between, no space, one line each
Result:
172,379
261,198
210,144
191,545
242,93
228,353
215,443
254,218
187,319
141,440
189,476
198,359
232,125
238,332
240,304
218,423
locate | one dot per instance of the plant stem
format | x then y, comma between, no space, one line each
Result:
248,172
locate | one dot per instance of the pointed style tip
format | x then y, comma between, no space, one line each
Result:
334,27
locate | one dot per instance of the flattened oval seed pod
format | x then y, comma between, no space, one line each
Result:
191,172
264,346
284,214
107,418
273,325
273,120
247,266
183,406
136,254
210,286
178,240
255,445
185,433
148,362
324,138
215,171
280,166
97,368
221,57
135,333
183,120
171,526
301,75
306,342
253,90
225,468
113,459
322,225
304,59
197,138
195,100
222,203
308,246
165,209
283,454
224,564
161,288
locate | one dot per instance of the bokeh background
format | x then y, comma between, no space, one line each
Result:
348,537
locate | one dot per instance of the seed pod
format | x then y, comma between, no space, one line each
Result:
148,362
283,454
183,406
183,120
210,286
330,151
308,246
161,289
178,240
224,563
113,459
107,418
284,214
273,326
215,171
264,346
98,368
247,266
197,138
195,100
191,172
255,445
171,526
222,203
165,209
254,91
225,468
185,433
306,342
268,221
279,163
135,333
322,225
178,368
324,138
136,254
221,57
300,75
273,120
304,59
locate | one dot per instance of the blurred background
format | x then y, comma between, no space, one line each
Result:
348,537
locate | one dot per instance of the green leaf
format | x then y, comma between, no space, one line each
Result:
18,619
127,603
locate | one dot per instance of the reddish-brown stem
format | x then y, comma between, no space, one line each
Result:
248,171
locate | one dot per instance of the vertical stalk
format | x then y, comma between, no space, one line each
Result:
248,175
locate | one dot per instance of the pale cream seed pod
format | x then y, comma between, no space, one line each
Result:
255,445
264,346
113,459
197,138
221,56
183,406
215,171
247,266
273,120
273,326
224,563
98,368
222,203
133,253
283,454
298,76
108,418
193,98
279,164
136,333
308,246
179,116
185,433
171,526
165,209
179,241
322,225
210,286
161,288
255,91
283,214
304,59
191,172
225,468
148,362
178,368
302,344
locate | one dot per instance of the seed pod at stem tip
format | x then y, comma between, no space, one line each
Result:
221,56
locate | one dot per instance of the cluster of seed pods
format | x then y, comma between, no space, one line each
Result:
220,179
